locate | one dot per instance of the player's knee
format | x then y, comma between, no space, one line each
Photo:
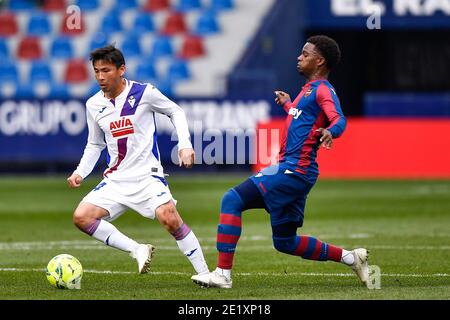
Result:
232,202
168,216
285,245
85,214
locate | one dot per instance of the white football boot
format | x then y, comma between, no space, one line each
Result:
361,266
212,280
144,255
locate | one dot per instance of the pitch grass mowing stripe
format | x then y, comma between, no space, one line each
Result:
261,274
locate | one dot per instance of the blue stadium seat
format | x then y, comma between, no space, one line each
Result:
178,70
4,51
59,91
188,5
162,46
24,91
17,5
40,71
125,4
93,89
143,22
165,86
131,46
145,71
8,72
207,24
98,40
87,4
38,24
222,4
61,48
111,22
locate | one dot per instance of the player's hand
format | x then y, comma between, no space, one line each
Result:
326,139
281,97
186,157
74,181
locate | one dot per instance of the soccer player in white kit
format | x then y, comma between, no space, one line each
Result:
121,117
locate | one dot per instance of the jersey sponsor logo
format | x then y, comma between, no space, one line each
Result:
308,93
295,112
121,127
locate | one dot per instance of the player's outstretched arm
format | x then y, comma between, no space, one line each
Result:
186,157
74,181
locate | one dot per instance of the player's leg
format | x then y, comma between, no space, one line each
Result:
187,242
91,217
286,240
234,202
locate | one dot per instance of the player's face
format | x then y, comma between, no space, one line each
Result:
308,60
108,76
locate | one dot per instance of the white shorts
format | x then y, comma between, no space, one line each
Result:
143,196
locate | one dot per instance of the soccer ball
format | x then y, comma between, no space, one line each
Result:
64,272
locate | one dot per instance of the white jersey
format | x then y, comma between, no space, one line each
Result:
126,126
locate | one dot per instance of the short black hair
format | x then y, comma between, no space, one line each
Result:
328,48
110,54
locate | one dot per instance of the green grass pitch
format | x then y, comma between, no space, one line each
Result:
404,224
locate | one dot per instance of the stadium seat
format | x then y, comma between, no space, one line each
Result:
87,4
192,47
145,71
4,51
17,5
162,46
125,4
222,4
61,48
165,86
188,5
207,23
111,22
54,5
29,48
156,5
38,25
131,46
72,27
143,22
24,91
8,24
178,70
59,91
98,40
174,24
76,71
8,72
40,72
93,89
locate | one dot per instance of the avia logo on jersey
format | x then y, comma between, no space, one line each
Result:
295,112
121,127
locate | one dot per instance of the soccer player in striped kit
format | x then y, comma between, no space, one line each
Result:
121,117
314,119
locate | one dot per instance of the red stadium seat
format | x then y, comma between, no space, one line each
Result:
174,24
156,5
8,24
71,26
76,71
54,5
29,48
192,47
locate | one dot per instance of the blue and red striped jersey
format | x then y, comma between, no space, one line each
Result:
316,106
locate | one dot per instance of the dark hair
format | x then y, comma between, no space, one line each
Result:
110,54
328,48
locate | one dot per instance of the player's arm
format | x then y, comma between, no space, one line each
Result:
95,145
329,103
283,99
161,104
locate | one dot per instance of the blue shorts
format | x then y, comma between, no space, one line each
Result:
284,194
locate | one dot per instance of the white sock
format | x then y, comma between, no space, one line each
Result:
224,272
347,257
190,247
111,236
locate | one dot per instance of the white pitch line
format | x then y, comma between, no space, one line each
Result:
260,274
